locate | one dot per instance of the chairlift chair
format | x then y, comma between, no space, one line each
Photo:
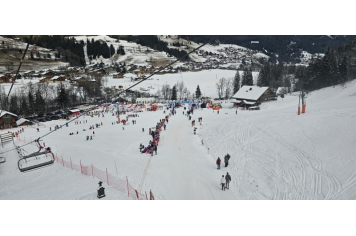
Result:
36,160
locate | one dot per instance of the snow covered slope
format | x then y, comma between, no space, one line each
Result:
206,80
275,154
134,53
279,155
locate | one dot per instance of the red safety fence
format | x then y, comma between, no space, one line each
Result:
104,176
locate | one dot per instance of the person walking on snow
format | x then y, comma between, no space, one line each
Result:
222,182
226,159
228,179
218,162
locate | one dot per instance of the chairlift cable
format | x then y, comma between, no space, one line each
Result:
93,108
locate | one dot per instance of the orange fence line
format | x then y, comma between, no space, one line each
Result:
104,176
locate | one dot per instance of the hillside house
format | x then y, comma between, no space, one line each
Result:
249,96
23,122
45,79
7,120
58,78
118,75
7,78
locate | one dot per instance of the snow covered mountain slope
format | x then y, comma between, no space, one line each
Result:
279,155
134,53
275,154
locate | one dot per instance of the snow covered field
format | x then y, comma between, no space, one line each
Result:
275,154
206,80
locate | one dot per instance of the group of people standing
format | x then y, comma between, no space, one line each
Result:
225,180
226,161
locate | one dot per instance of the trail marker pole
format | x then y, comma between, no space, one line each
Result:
107,176
128,190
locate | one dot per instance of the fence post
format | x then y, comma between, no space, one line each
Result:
107,176
137,194
128,190
81,167
71,165
92,171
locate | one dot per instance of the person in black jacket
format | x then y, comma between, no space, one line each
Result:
226,159
228,179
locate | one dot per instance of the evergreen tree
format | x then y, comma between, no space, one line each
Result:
263,77
31,102
343,69
40,103
174,93
198,92
121,50
112,50
23,106
62,97
247,78
236,82
14,105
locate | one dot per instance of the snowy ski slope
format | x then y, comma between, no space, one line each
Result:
275,154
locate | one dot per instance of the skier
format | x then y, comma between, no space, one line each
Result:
222,182
156,149
91,137
228,179
164,126
143,130
236,112
218,162
87,137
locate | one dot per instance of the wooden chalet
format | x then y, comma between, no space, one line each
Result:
7,120
6,78
249,96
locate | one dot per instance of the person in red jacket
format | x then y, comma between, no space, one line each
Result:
218,162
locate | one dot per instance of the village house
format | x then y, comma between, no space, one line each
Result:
7,120
23,122
45,79
58,78
249,96
118,75
6,78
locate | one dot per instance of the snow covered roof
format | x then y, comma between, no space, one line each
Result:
249,103
250,92
6,112
20,121
55,77
74,110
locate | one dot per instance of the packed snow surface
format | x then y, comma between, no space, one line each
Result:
275,154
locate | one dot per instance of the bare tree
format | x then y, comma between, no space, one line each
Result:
228,90
220,86
180,88
166,91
